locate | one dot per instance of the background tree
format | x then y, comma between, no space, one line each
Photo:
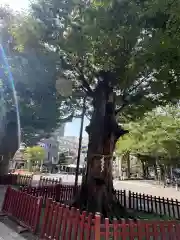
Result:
34,71
124,55
154,139
34,156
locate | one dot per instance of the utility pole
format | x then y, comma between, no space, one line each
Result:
80,144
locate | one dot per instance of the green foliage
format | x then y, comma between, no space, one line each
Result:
34,72
136,40
34,156
157,134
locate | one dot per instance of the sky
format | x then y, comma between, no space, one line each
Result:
72,128
16,4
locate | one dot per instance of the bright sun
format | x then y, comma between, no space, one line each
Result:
16,4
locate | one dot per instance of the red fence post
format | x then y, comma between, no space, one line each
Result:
45,219
97,225
38,213
23,208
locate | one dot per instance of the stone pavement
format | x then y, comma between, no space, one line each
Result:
7,233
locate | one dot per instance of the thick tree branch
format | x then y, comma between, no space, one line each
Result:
85,85
135,98
128,95
121,108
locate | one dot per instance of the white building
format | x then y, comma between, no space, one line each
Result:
51,147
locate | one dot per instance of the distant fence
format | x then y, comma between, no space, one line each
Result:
49,181
59,192
63,222
15,179
26,180
130,200
58,221
23,208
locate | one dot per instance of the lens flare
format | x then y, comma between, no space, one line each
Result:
11,80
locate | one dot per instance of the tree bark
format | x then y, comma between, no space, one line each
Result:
155,172
97,192
143,169
4,165
8,146
128,165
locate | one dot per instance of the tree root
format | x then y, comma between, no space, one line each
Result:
103,202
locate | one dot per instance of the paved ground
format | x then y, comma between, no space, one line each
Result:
7,233
146,187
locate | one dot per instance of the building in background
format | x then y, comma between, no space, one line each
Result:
18,160
59,144
51,150
51,146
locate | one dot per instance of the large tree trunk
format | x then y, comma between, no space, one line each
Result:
97,193
127,157
4,165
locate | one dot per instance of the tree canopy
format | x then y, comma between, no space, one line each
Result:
137,41
34,73
34,156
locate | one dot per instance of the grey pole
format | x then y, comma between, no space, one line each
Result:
80,144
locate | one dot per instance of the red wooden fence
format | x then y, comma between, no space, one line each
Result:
23,208
60,193
9,179
63,222
130,200
142,230
26,180
16,179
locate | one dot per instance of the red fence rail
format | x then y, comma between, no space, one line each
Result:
60,193
130,200
63,222
23,208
